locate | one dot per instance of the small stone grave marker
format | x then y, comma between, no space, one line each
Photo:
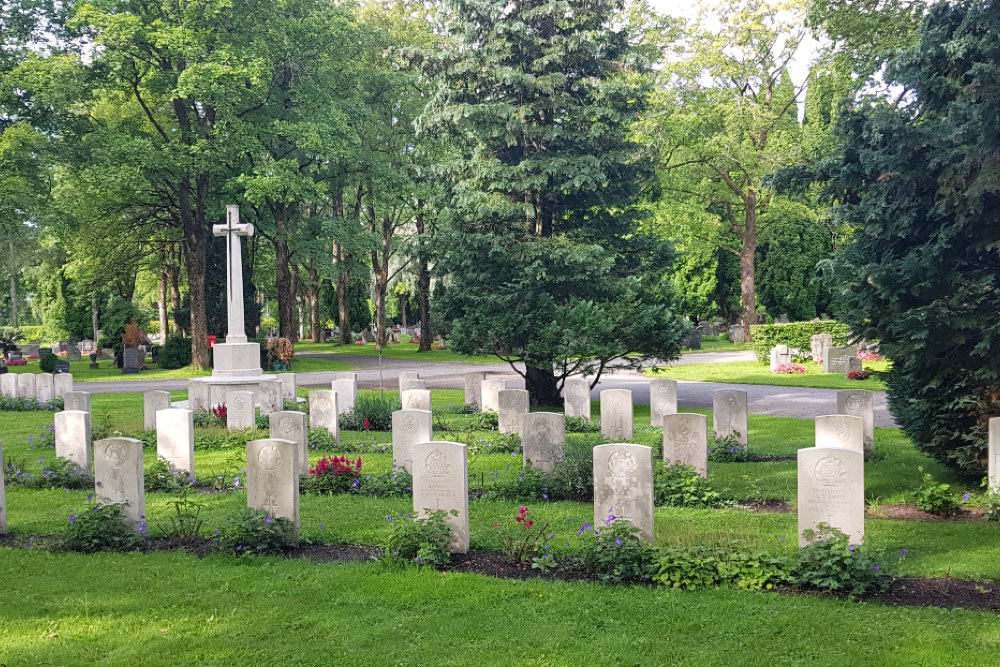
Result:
729,414
441,482
72,430
118,476
240,410
294,426
513,405
175,437
152,401
662,400
490,394
409,427
576,398
323,411
685,441
416,399
859,403
840,431
623,486
831,490
272,476
473,392
543,439
616,414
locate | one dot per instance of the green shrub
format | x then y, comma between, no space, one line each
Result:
185,523
696,567
161,476
831,563
991,504
681,486
488,421
616,554
220,439
581,425
102,528
208,420
377,410
385,484
58,474
933,496
420,540
47,361
728,450
573,477
321,439
31,332
529,484
27,404
795,335
176,353
252,532
491,443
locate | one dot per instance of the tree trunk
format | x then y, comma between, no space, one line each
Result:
748,294
162,301
194,252
379,273
173,275
283,278
93,319
13,285
423,283
343,313
402,309
542,387
312,296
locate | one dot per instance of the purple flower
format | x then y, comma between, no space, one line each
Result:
142,527
388,517
584,526
236,482
850,547
72,518
903,552
611,518
239,547
216,533
354,484
268,519
31,436
618,541
322,527
965,497
781,537
89,496
875,566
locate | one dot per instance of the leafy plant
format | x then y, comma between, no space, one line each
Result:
616,554
933,496
29,404
681,486
185,523
728,450
57,474
421,540
102,528
371,413
47,361
522,540
832,563
253,531
488,421
386,484
580,425
207,420
573,477
526,485
161,476
334,474
321,438
176,353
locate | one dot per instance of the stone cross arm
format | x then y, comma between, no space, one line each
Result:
237,228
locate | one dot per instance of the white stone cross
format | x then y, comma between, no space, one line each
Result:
234,266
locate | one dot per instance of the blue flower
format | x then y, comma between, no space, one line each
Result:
388,517
268,519
965,497
875,566
584,526
850,547
72,518
216,533
618,541
903,552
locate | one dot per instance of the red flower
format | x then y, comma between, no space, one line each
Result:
365,423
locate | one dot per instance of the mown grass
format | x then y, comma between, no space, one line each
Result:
405,350
752,372
123,610
720,343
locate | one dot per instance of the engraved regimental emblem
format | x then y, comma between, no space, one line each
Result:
840,429
830,472
287,425
854,403
323,404
410,424
622,464
682,436
240,403
437,464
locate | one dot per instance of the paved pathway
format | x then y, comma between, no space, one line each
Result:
803,402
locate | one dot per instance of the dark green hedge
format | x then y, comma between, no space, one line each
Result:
794,334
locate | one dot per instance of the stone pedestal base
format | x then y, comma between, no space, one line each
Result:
214,390
233,360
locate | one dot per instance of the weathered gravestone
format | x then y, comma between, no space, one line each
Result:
835,357
473,392
118,476
152,401
409,427
513,407
729,414
240,411
198,397
175,438
685,441
441,482
576,398
77,400
623,486
272,476
62,367
29,349
616,414
323,411
347,392
737,334
416,399
72,430
26,385
693,340
780,355
543,437
8,385
45,389
852,365
62,383
994,454
840,431
831,484
3,497
131,360
271,397
859,403
490,394
294,426
73,353
287,386
407,380
662,400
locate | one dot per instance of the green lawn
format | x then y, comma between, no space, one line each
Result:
720,343
752,372
395,351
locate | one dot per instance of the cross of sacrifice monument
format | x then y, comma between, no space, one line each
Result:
234,271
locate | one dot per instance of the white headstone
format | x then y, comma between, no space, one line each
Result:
994,454
416,399
576,398
62,382
44,388
780,355
347,393
8,385
323,411
198,397
294,426
240,411
513,404
616,414
543,437
287,385
685,441
273,478
409,427
26,385
72,429
152,401
623,486
3,497
77,400
490,394
859,403
729,414
271,399
118,476
831,491
473,392
175,438
410,380
441,482
842,431
662,400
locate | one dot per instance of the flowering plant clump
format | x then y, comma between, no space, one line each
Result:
103,528
728,450
57,474
420,540
334,474
254,531
220,412
869,356
25,404
526,542
790,369
859,375
832,563
617,553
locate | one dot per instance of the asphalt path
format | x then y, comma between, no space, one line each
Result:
805,402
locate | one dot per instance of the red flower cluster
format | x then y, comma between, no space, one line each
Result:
858,375
336,465
220,411
522,517
365,424
869,356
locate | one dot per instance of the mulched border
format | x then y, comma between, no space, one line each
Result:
946,593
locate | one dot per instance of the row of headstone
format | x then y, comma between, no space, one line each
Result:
41,386
270,396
